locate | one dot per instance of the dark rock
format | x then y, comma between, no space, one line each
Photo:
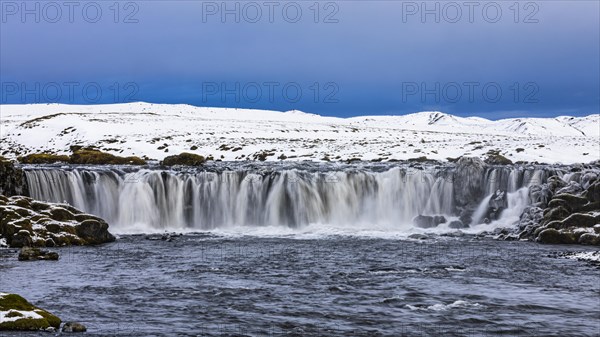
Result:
593,192
553,183
21,239
428,221
557,213
498,202
590,207
589,239
33,254
50,242
554,203
12,179
74,327
468,177
580,220
495,158
457,224
574,202
61,214
572,187
186,159
94,232
550,235
540,194
417,236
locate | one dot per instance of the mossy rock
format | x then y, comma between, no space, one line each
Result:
580,220
557,213
61,214
39,206
589,239
574,202
185,159
81,217
20,201
497,159
593,192
43,158
15,305
54,228
554,203
549,235
95,157
590,207
23,223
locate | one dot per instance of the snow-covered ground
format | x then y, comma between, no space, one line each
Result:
159,130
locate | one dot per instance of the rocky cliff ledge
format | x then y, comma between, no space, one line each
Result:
12,179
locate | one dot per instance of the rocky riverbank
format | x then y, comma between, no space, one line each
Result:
562,212
25,222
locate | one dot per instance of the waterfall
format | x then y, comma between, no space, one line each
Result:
153,199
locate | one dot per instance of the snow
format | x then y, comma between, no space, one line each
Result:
585,256
141,128
24,314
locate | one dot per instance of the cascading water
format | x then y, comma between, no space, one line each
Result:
294,197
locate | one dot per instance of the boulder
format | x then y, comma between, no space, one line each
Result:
20,315
558,213
21,239
94,232
74,327
457,224
573,202
593,192
61,214
34,254
549,235
589,239
580,220
428,221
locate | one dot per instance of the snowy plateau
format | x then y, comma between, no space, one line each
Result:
155,131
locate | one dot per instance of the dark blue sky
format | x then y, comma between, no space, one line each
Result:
346,58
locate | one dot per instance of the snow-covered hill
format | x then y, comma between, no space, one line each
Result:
158,130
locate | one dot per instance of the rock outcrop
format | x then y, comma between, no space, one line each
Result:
25,222
18,314
564,212
12,179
